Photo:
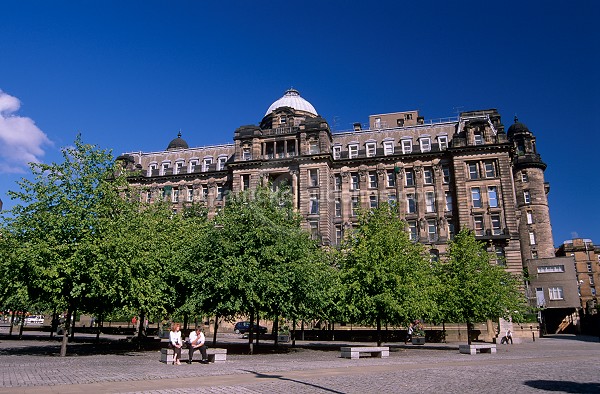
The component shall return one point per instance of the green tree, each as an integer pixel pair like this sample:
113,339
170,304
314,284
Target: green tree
385,276
475,289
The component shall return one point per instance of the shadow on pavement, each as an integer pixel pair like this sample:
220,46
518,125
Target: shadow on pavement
280,377
564,386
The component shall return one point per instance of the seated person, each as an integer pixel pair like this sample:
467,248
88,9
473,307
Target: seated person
197,342
175,342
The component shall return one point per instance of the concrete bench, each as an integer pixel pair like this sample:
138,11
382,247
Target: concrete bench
373,351
215,355
477,348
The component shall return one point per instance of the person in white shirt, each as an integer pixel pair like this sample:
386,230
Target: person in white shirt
197,340
175,342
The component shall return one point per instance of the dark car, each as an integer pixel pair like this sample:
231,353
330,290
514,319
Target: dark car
242,327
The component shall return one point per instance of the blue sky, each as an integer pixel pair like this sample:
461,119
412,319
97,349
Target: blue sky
129,75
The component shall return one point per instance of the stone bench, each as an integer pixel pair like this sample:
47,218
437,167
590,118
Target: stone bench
215,355
477,348
373,351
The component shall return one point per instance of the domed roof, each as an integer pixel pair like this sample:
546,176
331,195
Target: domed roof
517,127
178,143
292,99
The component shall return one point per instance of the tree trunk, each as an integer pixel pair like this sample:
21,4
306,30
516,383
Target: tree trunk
53,322
378,331
12,323
22,325
443,332
257,330
65,338
302,329
98,325
250,334
275,330
185,321
141,330
469,332
293,333
215,330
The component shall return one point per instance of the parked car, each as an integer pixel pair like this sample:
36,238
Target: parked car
242,327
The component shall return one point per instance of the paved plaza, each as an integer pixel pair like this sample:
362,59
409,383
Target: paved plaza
565,364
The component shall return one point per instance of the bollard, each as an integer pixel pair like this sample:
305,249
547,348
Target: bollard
533,335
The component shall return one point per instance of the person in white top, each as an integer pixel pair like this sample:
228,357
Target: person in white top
197,340
175,342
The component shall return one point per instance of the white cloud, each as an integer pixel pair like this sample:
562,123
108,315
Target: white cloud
21,141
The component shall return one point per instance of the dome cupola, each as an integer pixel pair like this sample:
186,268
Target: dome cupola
292,99
178,143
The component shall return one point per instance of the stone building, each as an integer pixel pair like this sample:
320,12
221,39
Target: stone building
443,174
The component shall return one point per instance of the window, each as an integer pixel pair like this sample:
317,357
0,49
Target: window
555,293
339,234
446,174
431,230
148,196
492,196
337,182
450,230
314,204
400,122
544,269
246,154
313,147
406,146
178,167
373,180
478,138
175,195
204,193
411,205
529,215
593,289
476,197
391,200
373,202
391,178
534,254
206,164
410,177
355,184
219,193
221,163
591,279
408,116
338,207
531,238
478,220
473,173
500,255
151,169
524,177
370,148
496,226
527,197
193,164
377,123
355,206
165,168
443,142
353,151
313,177
490,169
425,143
337,152
245,181
190,194
434,255
314,229
429,202
413,231
388,148
589,267
428,176
448,201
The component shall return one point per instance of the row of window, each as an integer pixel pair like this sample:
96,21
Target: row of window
492,197
390,177
177,195
479,226
389,148
482,169
180,165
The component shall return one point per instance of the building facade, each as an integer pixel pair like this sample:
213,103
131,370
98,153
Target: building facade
443,175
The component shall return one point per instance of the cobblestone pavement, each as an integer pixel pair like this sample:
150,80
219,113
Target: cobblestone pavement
558,364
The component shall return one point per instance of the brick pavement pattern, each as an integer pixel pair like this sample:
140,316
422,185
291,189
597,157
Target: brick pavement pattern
565,364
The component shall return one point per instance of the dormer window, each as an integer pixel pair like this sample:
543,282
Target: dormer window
165,167
283,119
313,147
353,151
178,167
406,146
221,163
193,164
337,152
206,163
246,154
425,143
388,148
152,168
443,142
377,123
370,148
